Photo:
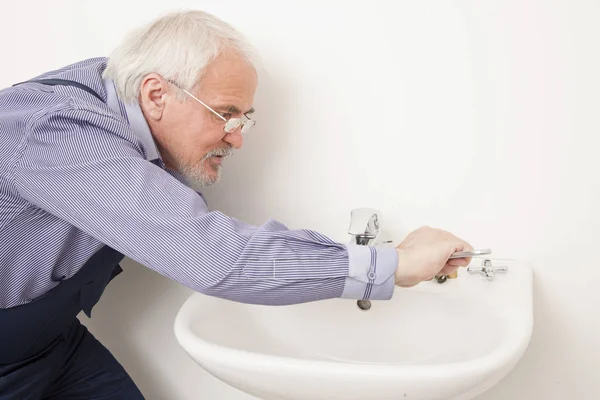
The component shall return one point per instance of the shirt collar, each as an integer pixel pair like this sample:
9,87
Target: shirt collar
135,117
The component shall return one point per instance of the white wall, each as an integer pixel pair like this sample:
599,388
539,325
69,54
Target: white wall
480,117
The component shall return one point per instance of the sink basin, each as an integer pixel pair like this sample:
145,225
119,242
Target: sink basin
450,341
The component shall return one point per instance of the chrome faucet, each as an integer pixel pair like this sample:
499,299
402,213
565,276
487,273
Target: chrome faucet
364,226
487,270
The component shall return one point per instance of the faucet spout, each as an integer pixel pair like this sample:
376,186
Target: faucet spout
364,225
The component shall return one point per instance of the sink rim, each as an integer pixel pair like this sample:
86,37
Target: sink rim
511,347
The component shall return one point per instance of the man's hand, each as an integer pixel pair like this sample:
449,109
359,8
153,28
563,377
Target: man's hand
425,253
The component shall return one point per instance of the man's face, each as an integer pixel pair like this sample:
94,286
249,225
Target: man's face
191,138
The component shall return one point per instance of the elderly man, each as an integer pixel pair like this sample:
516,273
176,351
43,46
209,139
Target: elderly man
95,164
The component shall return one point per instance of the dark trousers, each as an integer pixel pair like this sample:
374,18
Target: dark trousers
47,354
75,367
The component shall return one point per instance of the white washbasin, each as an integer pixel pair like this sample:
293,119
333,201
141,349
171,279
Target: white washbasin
434,341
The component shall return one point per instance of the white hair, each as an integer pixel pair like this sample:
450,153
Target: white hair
178,46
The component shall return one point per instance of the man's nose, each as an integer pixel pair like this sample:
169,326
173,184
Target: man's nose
234,138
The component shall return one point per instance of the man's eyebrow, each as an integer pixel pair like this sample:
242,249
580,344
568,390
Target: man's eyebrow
234,110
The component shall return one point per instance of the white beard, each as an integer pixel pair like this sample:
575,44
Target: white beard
201,174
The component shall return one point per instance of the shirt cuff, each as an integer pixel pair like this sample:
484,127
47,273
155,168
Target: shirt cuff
371,272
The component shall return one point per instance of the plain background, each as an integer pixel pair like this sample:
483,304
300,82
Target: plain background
479,117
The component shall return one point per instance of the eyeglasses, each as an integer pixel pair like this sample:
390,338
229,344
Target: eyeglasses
231,124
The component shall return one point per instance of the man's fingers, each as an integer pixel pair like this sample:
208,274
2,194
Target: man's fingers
461,245
448,270
459,262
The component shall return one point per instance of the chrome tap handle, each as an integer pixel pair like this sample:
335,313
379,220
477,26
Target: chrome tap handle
487,269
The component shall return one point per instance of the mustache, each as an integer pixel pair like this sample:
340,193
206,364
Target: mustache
219,151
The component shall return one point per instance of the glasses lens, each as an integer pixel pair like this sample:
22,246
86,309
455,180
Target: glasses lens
232,124
248,125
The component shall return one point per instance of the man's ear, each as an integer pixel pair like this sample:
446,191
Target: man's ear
153,90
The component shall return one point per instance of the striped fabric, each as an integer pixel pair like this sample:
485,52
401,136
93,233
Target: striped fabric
77,173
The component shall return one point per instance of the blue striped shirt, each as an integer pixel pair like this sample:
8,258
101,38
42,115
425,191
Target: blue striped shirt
77,173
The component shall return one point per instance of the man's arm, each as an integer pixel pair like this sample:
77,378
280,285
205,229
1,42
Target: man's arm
78,165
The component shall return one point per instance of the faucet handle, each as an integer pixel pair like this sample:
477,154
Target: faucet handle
487,269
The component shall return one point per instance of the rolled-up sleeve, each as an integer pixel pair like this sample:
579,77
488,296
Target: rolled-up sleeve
83,166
